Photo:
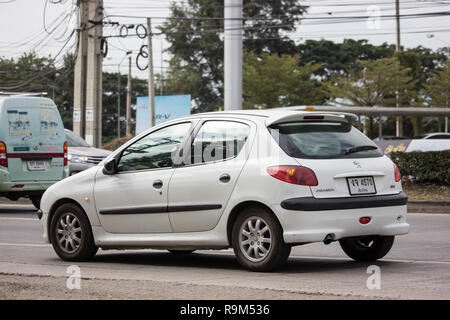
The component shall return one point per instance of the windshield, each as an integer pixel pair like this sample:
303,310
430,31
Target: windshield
75,141
323,140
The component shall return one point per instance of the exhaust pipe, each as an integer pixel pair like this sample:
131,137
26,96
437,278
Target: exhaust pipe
329,238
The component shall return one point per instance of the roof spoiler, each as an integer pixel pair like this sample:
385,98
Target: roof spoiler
301,115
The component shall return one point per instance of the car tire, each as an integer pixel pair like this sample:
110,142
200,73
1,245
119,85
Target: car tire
71,234
368,248
259,246
36,200
181,251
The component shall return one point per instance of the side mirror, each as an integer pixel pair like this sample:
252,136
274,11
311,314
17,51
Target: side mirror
110,167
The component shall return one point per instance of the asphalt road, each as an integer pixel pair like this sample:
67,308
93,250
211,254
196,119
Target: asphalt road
418,267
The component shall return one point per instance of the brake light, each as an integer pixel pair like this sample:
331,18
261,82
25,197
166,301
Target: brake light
397,173
66,161
3,155
294,174
313,117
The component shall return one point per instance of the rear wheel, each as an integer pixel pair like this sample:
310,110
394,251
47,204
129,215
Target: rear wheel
367,248
36,200
71,234
257,240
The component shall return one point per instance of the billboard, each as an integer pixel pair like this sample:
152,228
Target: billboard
166,108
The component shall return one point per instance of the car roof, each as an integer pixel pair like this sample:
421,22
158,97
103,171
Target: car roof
275,115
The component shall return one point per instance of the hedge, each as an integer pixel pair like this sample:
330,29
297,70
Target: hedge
427,167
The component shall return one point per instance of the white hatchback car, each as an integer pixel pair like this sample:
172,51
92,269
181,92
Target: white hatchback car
259,181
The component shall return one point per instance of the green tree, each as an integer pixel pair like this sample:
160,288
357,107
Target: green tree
375,83
338,58
272,81
439,87
109,100
437,90
196,43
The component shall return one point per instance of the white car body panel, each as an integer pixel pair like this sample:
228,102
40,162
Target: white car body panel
109,195
333,175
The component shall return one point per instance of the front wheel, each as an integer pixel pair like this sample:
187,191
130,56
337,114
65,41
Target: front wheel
257,240
71,234
367,248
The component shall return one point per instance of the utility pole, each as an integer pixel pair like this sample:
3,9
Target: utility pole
233,54
128,112
397,20
94,86
88,73
151,85
79,104
398,122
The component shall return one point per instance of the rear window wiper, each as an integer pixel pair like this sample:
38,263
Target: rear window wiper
359,149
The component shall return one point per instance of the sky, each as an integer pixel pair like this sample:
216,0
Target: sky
27,25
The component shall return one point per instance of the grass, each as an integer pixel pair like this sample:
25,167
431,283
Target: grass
418,191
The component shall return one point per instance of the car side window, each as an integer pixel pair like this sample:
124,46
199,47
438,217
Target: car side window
154,150
218,140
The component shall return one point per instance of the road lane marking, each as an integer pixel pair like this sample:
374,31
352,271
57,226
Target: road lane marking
429,214
23,219
348,259
2,205
25,244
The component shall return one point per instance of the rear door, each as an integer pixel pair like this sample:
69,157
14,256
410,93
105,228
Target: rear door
199,190
35,143
345,161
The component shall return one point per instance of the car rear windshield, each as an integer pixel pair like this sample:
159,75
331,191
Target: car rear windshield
323,140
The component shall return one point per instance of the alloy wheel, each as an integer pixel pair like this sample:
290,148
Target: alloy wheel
69,233
255,239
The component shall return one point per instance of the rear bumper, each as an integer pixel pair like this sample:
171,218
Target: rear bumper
320,204
28,186
313,226
7,185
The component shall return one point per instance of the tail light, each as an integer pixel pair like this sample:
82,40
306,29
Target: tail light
294,174
397,173
3,155
65,154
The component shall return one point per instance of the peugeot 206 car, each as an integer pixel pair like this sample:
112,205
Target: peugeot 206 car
258,181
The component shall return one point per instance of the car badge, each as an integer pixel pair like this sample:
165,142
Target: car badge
357,164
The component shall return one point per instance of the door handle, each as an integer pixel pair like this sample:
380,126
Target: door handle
157,184
225,178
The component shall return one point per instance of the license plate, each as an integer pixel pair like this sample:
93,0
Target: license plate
36,165
361,185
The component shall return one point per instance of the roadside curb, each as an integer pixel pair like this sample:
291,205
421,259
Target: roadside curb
426,206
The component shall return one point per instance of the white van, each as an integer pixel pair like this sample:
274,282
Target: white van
33,147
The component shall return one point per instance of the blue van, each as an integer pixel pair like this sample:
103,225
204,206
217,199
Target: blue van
33,147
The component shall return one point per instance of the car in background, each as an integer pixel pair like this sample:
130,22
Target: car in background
33,147
81,155
434,136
